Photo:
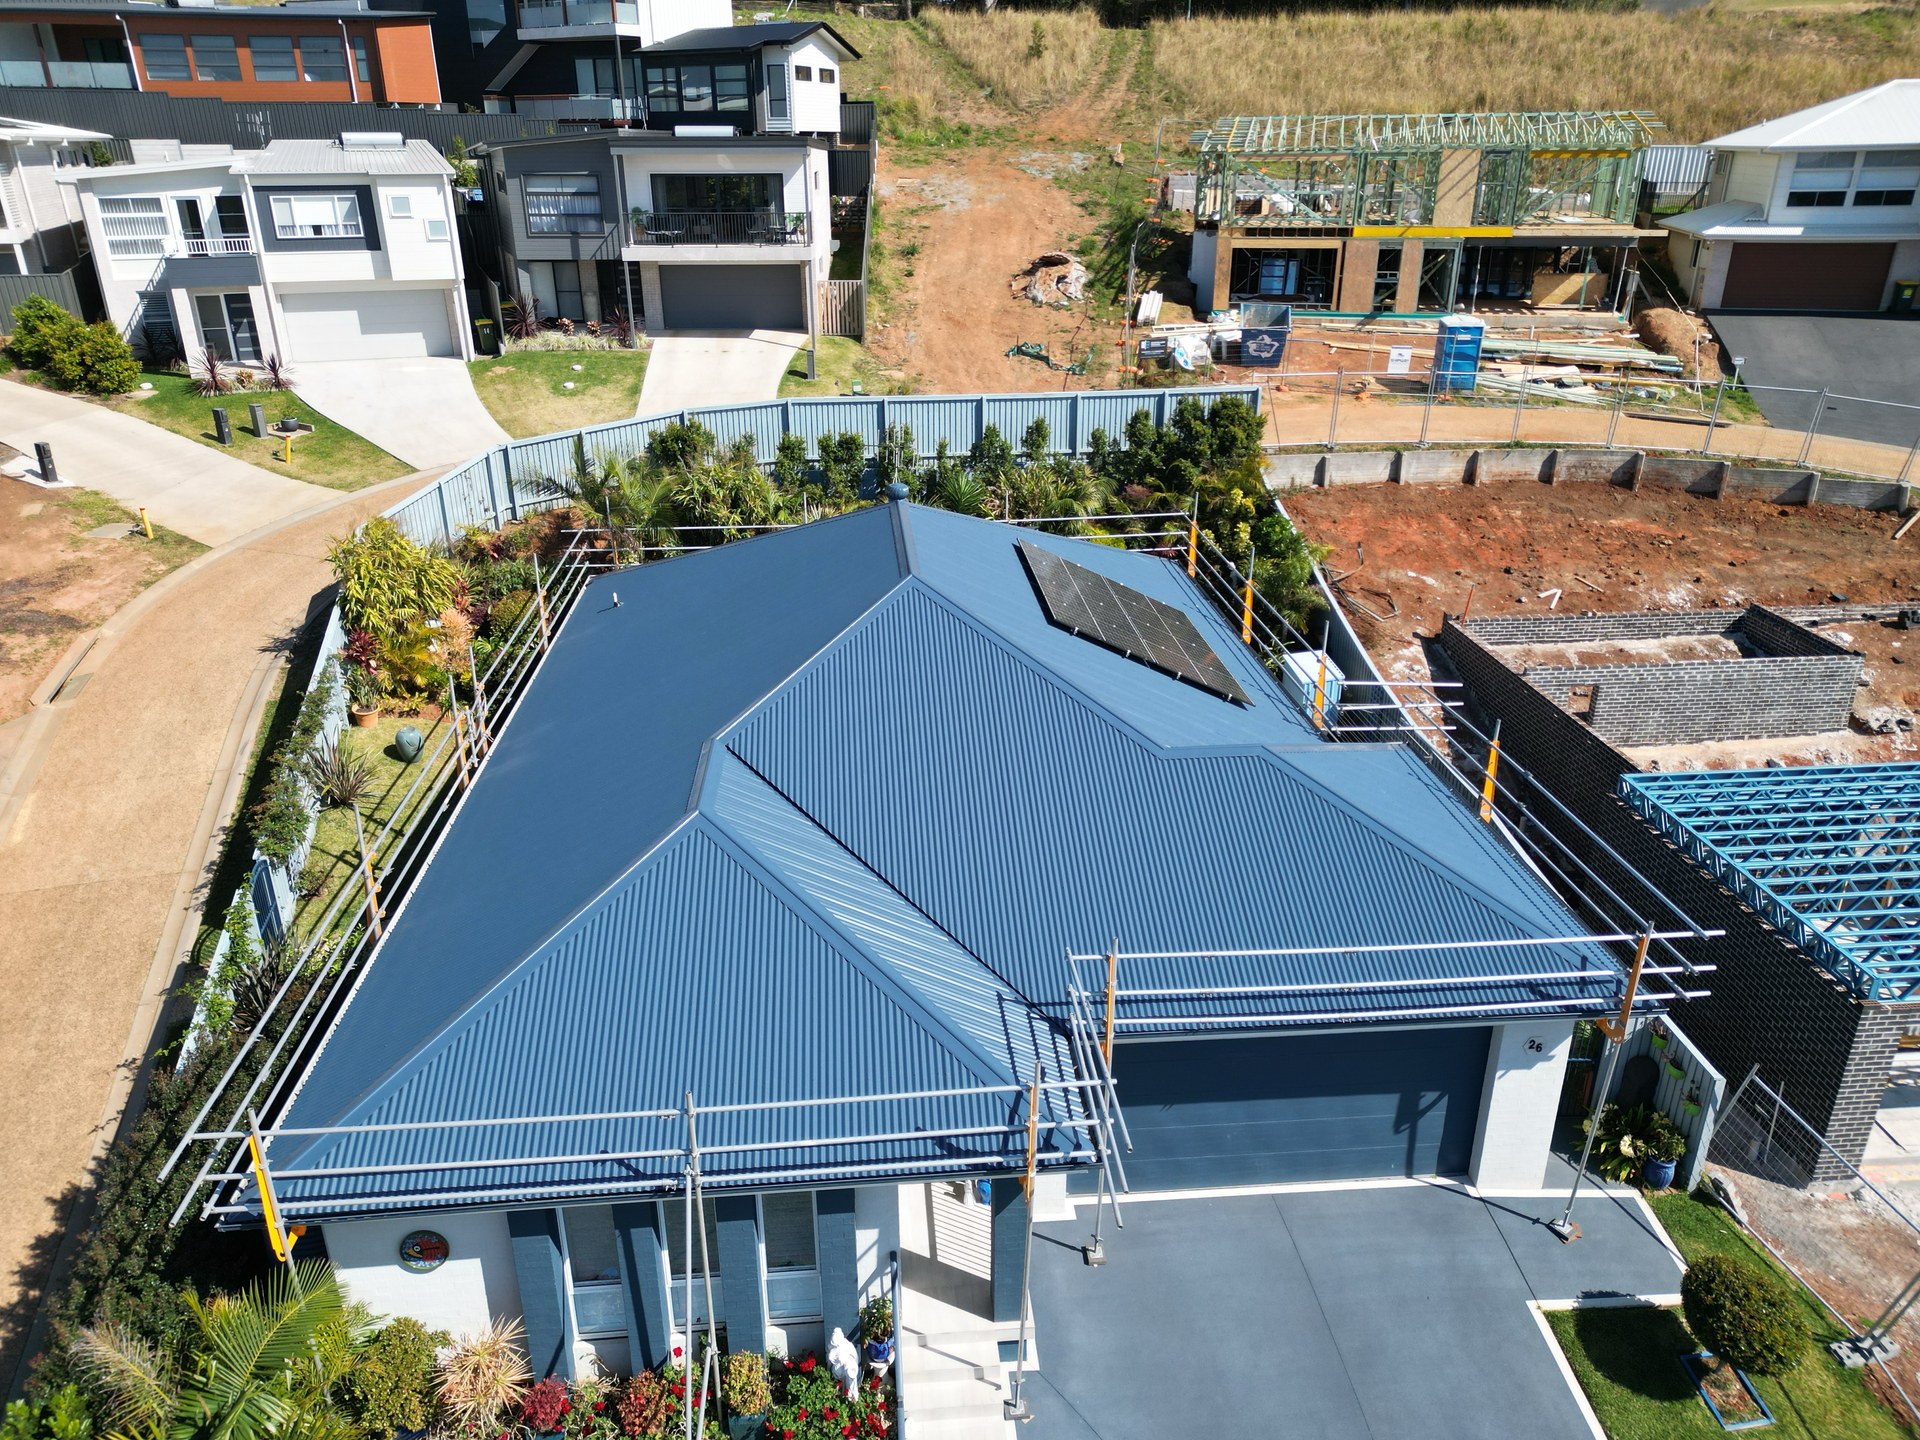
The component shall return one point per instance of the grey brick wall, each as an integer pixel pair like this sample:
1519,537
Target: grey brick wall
1689,701
1771,1004
1627,625
1774,633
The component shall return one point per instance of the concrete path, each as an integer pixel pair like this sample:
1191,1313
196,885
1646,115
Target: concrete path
727,367
1397,1313
115,796
424,411
212,498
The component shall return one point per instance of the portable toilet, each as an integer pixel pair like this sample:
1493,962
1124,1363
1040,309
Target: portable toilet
1456,355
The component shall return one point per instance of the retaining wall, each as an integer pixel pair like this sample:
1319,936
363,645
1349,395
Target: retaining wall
1686,702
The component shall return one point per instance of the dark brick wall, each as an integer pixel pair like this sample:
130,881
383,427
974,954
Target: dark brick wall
1775,634
1771,1004
1689,701
1625,625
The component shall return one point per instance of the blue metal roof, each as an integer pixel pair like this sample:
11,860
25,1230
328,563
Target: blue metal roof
819,816
1829,854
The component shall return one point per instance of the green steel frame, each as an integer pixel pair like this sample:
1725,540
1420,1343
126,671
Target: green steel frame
1345,170
1830,855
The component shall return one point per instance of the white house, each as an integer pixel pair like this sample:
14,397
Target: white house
1814,211
39,230
308,250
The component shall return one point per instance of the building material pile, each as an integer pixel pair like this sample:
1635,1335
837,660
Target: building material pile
1055,278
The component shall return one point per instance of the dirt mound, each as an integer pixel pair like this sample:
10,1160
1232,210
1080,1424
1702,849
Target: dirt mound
1055,278
1673,332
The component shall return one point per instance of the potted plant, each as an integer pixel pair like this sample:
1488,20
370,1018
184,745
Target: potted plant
876,1333
748,1394
1657,1033
1662,1143
1674,1069
363,695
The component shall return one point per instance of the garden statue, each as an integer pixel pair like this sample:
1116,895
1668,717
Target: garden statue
407,742
844,1361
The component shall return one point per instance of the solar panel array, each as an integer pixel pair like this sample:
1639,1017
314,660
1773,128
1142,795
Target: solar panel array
1121,618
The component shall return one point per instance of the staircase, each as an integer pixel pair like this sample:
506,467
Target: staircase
952,1384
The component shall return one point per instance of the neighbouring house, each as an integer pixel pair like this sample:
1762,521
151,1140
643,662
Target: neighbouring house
1420,214
41,232
1662,732
686,66
779,867
679,231
308,250
1818,210
321,51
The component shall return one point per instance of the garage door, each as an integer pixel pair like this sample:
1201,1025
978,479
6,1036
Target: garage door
733,297
393,325
1309,1107
1806,277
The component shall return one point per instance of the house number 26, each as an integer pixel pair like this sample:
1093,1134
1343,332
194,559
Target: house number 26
1535,1046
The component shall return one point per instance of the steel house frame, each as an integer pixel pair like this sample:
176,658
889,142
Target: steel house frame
1828,854
1348,170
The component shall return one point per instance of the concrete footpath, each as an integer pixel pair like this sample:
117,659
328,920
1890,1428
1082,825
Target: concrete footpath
210,497
119,793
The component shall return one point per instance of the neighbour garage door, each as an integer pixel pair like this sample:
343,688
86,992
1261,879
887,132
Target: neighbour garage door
1806,277
394,325
1308,1107
733,297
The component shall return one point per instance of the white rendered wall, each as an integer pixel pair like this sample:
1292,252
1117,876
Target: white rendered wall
410,254
816,102
475,1285
1715,260
876,1236
1526,1063
1752,177
1906,266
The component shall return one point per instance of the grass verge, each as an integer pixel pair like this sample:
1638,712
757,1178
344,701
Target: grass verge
332,455
167,550
525,390
1627,1360
839,363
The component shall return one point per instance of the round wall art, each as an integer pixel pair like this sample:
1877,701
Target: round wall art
424,1250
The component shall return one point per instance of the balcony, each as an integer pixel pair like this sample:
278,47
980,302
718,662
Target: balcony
68,74
564,14
221,245
577,107
719,227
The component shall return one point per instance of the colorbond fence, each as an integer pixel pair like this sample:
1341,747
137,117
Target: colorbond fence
524,477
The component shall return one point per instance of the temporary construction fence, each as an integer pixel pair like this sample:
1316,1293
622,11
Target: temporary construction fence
1846,1240
523,477
1375,408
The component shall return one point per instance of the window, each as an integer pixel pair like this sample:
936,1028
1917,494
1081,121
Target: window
593,1262
227,328
776,92
436,229
102,50
595,75
803,72
676,1225
273,58
316,217
1815,199
563,205
556,285
826,76
165,57
188,210
1883,197
1820,179
1888,177
696,87
698,193
360,66
135,225
789,1230
323,59
730,87
231,210
663,87
400,206
216,57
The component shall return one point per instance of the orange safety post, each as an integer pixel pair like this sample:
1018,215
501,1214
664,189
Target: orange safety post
1493,769
1113,976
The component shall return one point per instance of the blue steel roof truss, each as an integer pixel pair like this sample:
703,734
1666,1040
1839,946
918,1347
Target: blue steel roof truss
1829,854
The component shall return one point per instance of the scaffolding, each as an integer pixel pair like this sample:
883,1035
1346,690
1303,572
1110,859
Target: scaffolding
1830,855
1305,172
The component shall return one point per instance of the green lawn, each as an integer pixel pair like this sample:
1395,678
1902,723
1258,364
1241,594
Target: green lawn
332,455
525,389
167,549
839,364
1627,1360
335,855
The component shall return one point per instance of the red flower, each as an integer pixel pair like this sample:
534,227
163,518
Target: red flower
807,1364
789,1364
676,1352
846,1429
786,1435
831,1413
598,1406
803,1414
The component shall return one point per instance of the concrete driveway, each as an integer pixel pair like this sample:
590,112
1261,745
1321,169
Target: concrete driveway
424,411
201,493
723,367
1872,358
1345,1314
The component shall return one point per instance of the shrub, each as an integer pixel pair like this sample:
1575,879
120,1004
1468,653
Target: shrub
40,329
1744,1315
482,1374
280,819
645,1406
744,1385
211,377
391,1387
1627,1139
339,774
545,1405
63,1417
93,358
388,583
507,614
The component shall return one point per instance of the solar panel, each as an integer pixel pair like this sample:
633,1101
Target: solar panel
1119,617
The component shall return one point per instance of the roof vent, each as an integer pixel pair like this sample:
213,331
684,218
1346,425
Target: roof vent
372,140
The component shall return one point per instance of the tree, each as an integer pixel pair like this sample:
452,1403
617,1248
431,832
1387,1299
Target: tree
844,459
388,583
41,329
1744,1315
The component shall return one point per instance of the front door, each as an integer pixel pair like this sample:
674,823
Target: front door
227,327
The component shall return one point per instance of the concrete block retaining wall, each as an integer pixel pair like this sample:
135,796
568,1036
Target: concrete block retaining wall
1690,701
